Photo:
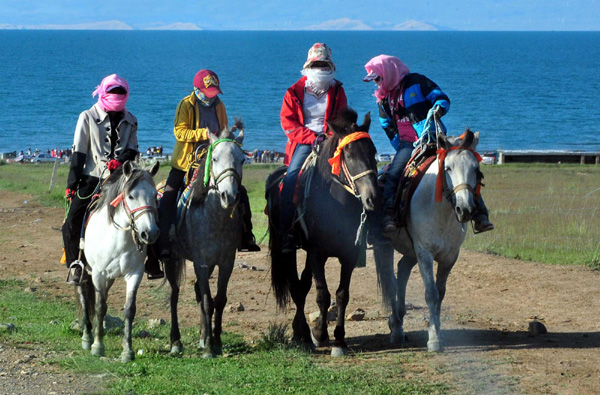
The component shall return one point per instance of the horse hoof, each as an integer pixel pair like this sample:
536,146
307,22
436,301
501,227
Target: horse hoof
176,348
127,356
434,346
98,350
86,345
208,355
397,338
339,351
318,343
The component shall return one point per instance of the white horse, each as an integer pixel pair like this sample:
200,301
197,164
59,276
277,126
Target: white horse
116,239
435,230
208,234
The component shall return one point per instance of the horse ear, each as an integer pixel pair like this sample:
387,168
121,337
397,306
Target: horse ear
443,141
128,168
334,129
475,140
467,140
366,122
154,169
212,138
240,137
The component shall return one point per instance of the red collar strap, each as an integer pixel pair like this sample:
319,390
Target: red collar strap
439,182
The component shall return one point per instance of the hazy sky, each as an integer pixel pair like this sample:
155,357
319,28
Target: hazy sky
289,14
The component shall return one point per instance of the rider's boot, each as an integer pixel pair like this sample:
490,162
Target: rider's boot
248,240
152,265
76,276
481,219
389,222
288,244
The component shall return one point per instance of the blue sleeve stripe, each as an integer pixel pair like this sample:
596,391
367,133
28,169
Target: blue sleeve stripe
435,95
385,122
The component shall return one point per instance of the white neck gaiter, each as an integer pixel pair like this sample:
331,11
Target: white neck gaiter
318,80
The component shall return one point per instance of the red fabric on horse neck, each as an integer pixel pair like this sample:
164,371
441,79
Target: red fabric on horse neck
439,182
336,160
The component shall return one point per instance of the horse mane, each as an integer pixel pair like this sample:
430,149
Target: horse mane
113,186
198,191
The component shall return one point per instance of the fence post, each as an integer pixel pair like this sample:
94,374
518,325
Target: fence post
53,179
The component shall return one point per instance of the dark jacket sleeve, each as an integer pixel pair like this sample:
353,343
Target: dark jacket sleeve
128,154
76,170
386,119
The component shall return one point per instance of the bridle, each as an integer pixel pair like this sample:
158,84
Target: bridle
132,214
210,176
338,163
350,186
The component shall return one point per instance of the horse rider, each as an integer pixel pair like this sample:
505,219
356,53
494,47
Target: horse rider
105,137
197,115
308,104
404,101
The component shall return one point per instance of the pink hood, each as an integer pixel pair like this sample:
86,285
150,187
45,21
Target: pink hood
390,69
111,101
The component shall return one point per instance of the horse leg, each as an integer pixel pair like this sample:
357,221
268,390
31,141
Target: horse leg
299,288
133,283
172,274
432,297
220,302
316,260
342,295
443,272
86,300
384,262
207,307
405,266
102,286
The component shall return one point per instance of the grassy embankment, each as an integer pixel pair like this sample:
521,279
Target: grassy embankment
546,213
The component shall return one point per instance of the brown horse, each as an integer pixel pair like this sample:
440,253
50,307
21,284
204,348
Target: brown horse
336,202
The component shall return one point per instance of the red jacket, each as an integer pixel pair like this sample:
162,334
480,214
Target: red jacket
292,118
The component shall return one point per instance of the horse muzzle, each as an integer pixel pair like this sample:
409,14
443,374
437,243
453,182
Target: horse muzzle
228,200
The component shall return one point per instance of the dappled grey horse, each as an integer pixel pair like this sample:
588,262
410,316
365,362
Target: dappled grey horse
208,234
436,225
123,223
342,190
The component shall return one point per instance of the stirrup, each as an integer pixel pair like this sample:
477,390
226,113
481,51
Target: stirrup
73,266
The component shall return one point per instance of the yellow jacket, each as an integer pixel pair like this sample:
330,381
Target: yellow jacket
187,132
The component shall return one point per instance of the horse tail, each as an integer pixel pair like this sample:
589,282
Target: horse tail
280,262
386,280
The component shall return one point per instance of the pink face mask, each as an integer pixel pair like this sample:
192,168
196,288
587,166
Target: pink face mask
112,101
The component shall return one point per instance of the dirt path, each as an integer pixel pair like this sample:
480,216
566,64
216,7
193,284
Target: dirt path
486,313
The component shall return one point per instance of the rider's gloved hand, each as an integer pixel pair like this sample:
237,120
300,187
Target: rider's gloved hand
69,193
113,164
320,137
438,111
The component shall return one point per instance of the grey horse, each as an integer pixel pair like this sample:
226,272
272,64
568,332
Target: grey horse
440,210
208,234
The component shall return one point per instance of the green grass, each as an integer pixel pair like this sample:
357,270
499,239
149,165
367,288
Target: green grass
242,369
546,213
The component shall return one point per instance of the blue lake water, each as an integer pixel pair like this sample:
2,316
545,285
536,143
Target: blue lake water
521,90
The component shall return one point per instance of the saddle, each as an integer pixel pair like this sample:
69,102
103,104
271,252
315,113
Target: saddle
195,169
416,168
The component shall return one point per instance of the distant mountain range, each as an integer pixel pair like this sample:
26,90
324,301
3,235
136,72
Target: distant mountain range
335,24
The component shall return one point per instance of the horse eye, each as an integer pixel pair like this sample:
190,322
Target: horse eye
447,169
130,196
